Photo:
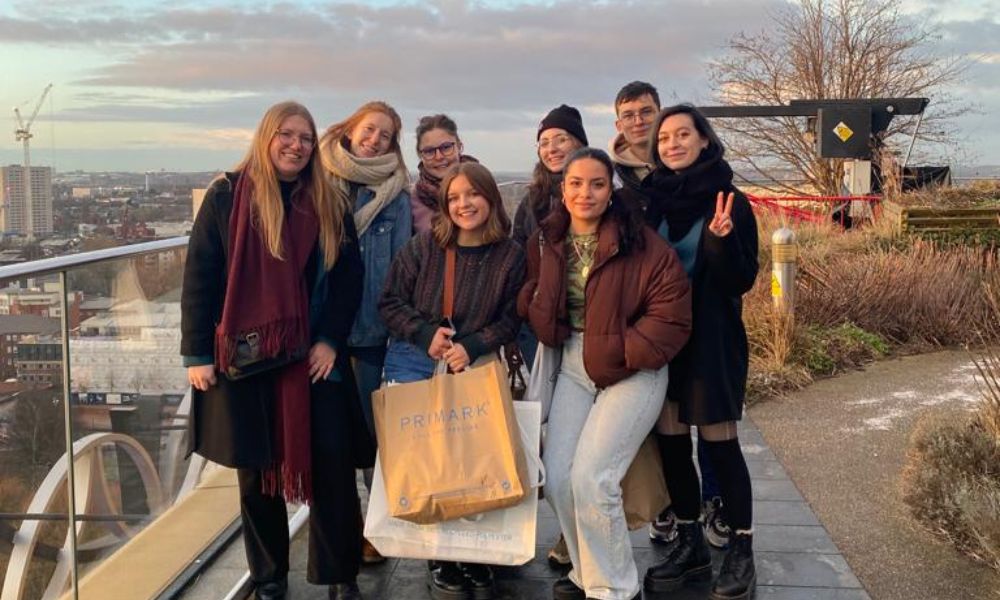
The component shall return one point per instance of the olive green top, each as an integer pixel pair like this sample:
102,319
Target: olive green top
579,261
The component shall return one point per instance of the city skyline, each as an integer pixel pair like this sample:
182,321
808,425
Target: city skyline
180,86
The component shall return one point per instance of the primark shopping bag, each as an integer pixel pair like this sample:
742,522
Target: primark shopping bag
499,537
449,446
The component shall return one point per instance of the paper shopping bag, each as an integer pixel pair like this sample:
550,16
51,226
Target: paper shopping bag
644,491
449,446
499,537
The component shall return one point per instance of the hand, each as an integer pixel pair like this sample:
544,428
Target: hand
722,222
321,359
440,343
202,376
457,358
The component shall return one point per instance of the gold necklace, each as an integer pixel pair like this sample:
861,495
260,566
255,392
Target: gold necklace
588,249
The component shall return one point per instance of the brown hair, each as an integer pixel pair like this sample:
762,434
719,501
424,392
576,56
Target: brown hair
342,130
481,180
432,122
544,186
268,209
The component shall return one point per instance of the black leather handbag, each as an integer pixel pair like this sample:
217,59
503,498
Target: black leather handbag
248,361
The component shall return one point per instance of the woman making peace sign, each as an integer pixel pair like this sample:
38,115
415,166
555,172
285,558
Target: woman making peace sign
710,225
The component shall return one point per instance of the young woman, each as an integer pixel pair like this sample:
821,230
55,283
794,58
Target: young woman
273,257
613,296
489,269
440,151
362,157
710,224
559,134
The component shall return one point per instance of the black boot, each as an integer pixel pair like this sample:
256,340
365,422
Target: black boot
738,577
565,589
479,579
447,582
688,560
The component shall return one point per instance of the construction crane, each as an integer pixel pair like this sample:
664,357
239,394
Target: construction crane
23,134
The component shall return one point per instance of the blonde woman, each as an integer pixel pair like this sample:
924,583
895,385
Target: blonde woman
273,260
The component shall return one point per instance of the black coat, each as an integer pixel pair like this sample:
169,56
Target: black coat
231,423
708,377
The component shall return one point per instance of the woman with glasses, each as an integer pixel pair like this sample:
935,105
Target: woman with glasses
273,263
559,134
611,294
440,151
362,158
710,224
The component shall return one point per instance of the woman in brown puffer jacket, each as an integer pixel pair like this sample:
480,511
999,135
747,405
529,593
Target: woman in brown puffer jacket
612,294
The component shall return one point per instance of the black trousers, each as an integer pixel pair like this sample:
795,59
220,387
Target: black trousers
334,526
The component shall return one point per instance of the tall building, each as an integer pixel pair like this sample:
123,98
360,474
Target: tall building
13,207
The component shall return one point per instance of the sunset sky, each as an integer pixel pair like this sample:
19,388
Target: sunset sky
179,85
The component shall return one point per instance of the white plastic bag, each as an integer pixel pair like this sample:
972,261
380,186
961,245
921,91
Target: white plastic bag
542,379
499,537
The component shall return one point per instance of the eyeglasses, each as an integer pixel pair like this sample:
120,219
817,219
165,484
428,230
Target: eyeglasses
446,149
288,138
554,141
643,115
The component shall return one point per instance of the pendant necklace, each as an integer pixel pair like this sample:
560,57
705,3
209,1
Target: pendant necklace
585,261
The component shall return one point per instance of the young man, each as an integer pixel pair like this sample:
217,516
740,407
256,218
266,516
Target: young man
636,107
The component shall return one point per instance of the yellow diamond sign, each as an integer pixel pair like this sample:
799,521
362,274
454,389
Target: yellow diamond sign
843,131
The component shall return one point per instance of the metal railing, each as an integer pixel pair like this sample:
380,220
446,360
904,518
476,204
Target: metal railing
104,477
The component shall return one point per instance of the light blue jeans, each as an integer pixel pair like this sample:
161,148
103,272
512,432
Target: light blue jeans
593,435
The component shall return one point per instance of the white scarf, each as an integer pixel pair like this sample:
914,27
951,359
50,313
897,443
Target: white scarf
383,174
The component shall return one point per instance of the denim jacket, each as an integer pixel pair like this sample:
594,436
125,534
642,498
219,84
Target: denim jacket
386,236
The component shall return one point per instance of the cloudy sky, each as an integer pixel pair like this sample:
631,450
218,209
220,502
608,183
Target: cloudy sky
179,85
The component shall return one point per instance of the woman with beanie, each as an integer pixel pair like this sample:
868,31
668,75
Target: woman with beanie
440,151
362,158
559,134
711,226
273,263
612,295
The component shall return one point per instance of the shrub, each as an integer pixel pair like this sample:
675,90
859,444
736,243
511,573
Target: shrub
951,483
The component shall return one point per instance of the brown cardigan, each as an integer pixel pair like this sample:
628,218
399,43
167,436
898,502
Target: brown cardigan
638,306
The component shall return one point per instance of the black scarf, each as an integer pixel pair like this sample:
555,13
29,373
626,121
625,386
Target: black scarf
683,198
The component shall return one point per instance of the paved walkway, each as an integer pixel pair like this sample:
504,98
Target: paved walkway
796,559
844,443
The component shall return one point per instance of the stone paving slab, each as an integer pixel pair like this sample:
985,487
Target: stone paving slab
795,557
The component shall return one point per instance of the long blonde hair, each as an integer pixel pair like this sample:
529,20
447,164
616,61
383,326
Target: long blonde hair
269,210
342,130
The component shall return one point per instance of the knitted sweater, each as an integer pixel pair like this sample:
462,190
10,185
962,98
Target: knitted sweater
487,280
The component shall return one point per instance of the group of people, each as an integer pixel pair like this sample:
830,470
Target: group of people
315,273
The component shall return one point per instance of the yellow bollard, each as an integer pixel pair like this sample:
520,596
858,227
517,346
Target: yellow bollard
784,252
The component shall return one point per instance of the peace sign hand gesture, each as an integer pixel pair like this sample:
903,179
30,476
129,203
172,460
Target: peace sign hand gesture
722,222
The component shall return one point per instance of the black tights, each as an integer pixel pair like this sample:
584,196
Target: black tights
682,479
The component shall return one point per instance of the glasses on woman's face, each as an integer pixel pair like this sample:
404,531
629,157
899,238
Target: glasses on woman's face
446,149
556,141
288,138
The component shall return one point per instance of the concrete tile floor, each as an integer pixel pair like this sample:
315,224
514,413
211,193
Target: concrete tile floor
795,557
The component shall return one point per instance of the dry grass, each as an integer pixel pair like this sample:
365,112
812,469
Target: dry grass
862,294
979,193
951,483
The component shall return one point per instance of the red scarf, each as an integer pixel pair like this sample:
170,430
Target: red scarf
268,296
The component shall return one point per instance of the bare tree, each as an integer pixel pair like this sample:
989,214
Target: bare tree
831,49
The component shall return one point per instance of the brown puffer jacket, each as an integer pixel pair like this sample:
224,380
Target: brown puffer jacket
638,306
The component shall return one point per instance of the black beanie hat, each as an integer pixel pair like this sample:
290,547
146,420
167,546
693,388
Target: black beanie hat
564,117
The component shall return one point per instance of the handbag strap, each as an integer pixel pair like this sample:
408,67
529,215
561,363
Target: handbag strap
448,305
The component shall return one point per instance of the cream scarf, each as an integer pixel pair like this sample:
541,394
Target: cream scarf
382,174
